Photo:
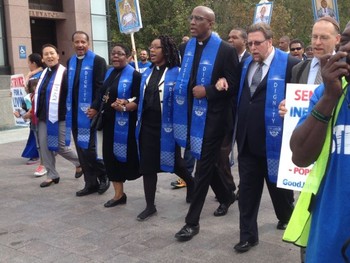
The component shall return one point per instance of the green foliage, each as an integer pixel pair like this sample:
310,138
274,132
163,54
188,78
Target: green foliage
169,17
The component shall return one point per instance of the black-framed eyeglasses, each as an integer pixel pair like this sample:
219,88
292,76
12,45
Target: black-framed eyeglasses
197,18
153,47
118,54
255,43
295,48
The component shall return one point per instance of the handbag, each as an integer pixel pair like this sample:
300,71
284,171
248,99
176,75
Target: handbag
97,120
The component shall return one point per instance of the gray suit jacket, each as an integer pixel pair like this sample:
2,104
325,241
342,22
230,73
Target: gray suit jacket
304,75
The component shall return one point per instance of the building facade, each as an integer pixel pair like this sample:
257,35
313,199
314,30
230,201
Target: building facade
25,25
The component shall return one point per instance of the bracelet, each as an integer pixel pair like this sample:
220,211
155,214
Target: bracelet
320,117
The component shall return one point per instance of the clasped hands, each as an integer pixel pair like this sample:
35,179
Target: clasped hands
119,104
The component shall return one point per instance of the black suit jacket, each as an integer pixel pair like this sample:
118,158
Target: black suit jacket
251,115
219,102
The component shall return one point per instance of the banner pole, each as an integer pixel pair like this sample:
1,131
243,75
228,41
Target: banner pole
134,48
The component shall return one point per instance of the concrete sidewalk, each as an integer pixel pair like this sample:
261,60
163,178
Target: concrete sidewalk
53,225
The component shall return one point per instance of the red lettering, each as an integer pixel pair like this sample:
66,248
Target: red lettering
301,171
303,95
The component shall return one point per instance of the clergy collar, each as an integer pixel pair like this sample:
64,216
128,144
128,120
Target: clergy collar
160,67
53,68
204,42
81,57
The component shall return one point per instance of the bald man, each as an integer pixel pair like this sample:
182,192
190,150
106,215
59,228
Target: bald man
202,110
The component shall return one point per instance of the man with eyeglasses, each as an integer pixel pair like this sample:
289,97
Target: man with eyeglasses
296,48
259,132
324,39
86,72
201,110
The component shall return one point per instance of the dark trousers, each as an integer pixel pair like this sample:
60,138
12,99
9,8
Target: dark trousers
252,173
92,167
224,165
207,175
150,179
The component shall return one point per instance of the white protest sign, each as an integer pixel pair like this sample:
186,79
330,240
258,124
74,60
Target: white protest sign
291,176
17,98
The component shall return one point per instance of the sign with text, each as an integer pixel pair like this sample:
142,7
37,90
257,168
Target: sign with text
291,176
17,98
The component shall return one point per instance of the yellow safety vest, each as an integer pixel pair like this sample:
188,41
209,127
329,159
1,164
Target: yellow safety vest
298,228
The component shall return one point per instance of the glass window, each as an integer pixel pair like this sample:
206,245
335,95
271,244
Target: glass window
99,28
50,5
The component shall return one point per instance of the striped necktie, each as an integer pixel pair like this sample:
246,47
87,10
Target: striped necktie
256,79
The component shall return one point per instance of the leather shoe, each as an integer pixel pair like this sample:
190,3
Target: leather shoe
244,246
87,191
281,225
221,210
49,182
187,232
103,187
113,202
78,174
147,213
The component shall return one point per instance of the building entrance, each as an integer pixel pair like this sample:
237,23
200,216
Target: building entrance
43,31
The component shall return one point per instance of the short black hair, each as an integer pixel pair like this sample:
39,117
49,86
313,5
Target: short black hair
36,58
80,32
124,47
295,41
49,45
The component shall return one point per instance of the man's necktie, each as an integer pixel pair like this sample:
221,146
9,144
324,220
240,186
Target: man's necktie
256,79
318,79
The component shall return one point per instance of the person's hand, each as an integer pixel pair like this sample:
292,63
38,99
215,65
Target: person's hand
221,84
16,113
27,116
282,110
122,102
117,106
199,92
332,69
90,113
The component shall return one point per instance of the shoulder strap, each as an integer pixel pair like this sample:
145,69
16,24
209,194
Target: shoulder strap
301,69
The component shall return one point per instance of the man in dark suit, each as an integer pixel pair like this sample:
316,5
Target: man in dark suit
238,39
86,72
259,132
201,110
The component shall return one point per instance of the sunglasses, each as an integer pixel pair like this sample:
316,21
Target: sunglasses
295,48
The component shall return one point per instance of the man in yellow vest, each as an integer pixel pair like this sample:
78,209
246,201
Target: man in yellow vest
321,219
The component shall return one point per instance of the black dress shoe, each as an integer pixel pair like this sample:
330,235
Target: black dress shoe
113,202
87,191
78,174
48,183
244,246
104,185
147,213
221,210
281,225
187,232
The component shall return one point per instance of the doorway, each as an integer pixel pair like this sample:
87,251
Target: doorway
43,31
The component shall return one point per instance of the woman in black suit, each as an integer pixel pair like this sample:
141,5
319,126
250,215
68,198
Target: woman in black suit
158,152
120,94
